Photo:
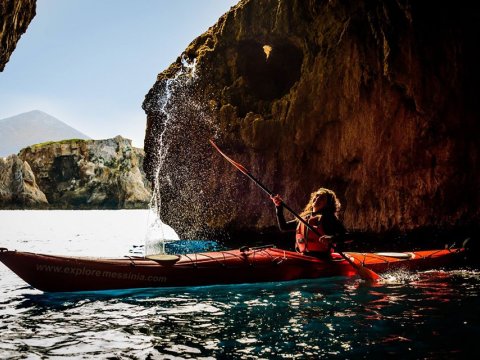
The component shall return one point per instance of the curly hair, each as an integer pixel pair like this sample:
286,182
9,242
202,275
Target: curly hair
333,205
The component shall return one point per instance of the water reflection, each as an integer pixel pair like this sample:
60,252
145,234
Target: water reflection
327,318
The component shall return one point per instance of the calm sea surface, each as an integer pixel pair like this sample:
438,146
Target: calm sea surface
427,315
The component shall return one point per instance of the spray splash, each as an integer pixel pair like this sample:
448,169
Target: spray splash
158,233
399,276
183,127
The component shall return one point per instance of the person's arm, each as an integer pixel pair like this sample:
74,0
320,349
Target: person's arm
340,235
341,230
282,223
334,228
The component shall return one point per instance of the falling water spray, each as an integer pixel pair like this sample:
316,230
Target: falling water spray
176,101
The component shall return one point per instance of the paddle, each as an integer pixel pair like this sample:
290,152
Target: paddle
364,273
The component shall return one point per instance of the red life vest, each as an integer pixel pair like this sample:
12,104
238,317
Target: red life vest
307,240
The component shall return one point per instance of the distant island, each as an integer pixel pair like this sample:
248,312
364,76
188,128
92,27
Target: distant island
74,172
33,127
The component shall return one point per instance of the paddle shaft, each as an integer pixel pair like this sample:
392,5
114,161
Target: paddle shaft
361,270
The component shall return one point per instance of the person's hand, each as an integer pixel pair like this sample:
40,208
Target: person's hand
277,200
327,238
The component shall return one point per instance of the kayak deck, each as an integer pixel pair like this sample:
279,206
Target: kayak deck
264,264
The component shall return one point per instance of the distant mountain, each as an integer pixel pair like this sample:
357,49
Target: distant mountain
33,127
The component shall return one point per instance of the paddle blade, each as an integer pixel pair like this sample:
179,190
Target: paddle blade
234,163
367,274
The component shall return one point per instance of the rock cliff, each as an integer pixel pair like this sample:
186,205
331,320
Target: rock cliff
89,174
15,16
374,99
18,188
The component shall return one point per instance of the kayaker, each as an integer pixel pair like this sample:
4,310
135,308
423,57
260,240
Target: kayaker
321,212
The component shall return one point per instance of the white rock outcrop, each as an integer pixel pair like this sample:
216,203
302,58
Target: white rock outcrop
18,187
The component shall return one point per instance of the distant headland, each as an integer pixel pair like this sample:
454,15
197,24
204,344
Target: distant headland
75,174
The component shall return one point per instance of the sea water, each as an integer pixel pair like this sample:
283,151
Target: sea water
421,315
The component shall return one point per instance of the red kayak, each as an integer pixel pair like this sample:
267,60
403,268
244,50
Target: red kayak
263,264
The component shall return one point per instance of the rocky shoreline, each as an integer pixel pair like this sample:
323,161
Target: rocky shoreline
75,174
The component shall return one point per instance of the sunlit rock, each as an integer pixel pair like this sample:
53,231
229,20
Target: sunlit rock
18,188
90,173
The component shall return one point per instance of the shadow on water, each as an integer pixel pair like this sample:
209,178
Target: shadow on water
63,299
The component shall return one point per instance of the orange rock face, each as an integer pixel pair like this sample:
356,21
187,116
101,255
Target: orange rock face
375,100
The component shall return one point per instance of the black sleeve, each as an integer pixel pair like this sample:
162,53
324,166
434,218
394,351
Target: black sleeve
333,227
341,230
282,223
340,233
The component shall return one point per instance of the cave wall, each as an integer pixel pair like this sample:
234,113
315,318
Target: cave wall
374,99
15,16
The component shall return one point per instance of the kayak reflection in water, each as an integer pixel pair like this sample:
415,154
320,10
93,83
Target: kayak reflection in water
321,213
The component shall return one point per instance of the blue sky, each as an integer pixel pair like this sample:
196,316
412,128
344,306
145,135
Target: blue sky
90,63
